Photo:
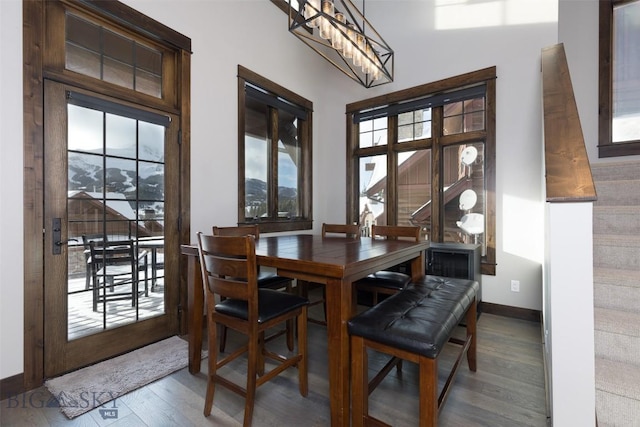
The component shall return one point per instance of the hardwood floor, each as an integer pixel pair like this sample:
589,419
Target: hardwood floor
507,390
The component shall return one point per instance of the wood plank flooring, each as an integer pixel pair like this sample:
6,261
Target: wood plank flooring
507,390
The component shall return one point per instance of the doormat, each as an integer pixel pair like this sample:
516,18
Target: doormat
85,389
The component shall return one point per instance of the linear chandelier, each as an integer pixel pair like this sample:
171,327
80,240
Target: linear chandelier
340,33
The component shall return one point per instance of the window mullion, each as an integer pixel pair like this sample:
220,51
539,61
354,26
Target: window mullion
272,187
437,200
392,170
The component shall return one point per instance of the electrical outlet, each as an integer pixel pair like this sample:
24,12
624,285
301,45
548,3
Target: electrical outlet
515,286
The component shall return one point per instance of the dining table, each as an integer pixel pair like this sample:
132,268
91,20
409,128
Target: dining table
335,262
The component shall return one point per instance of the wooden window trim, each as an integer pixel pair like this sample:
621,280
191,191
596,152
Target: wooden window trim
486,76
305,222
606,147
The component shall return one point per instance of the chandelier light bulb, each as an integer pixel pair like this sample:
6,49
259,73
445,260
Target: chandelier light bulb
357,50
347,48
367,64
326,28
375,75
337,39
312,8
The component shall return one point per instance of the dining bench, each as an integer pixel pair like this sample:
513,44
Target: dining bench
414,325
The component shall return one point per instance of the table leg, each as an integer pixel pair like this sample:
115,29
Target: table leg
418,267
195,303
339,311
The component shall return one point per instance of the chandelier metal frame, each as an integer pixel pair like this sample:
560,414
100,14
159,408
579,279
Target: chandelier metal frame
339,32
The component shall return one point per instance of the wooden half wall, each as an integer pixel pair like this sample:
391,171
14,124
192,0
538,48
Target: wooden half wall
567,315
567,169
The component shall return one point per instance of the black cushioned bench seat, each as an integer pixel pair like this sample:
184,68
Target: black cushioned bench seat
414,324
420,318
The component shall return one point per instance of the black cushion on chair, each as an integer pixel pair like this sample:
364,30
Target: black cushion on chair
420,318
385,279
267,279
271,304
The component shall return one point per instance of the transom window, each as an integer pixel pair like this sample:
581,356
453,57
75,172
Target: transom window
274,155
97,52
427,157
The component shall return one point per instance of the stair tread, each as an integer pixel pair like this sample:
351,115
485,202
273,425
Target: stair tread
622,379
604,273
617,321
617,240
626,209
614,171
618,276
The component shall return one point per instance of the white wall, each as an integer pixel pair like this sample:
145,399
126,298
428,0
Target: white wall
432,40
569,290
11,260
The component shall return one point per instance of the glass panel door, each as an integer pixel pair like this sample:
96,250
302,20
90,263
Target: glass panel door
115,198
109,169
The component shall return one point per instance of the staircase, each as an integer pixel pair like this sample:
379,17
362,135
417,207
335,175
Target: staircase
616,276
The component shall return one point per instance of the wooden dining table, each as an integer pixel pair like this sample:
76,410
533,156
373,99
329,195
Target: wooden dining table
335,262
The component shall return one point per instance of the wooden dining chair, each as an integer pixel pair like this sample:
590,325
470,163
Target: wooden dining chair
99,238
350,231
266,280
346,230
230,272
113,265
388,282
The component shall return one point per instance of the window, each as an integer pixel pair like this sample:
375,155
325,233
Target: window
619,121
103,54
274,155
426,156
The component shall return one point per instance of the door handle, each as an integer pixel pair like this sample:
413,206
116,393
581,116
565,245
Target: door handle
66,242
56,226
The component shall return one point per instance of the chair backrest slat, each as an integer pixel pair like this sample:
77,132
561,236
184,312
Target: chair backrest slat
241,230
396,232
120,252
229,267
350,230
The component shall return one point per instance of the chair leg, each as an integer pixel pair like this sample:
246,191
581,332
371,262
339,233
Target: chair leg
146,280
154,273
96,294
260,356
290,334
253,365
324,301
290,324
223,335
472,316
428,392
359,382
134,292
223,338
303,376
213,364
303,289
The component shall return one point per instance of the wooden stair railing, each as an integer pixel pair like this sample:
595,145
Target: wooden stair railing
568,173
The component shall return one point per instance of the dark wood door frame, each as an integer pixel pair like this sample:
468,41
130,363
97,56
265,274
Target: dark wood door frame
34,33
